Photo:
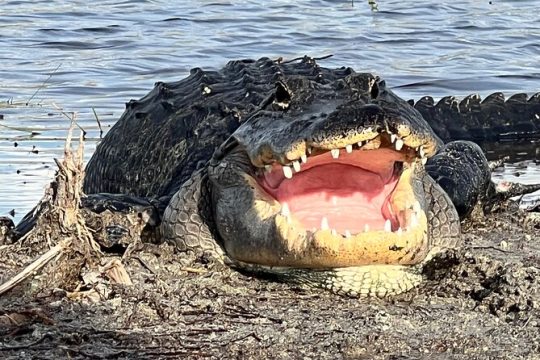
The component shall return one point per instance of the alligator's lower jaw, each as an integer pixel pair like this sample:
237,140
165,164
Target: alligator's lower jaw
328,249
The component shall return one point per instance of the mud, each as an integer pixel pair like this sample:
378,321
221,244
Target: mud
143,300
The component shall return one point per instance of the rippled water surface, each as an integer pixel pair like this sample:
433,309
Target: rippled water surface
81,56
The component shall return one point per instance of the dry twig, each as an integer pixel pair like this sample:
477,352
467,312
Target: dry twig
35,266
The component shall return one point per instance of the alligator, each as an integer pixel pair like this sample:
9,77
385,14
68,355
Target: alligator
322,177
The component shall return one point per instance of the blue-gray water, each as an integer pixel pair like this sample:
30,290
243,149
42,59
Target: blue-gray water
99,54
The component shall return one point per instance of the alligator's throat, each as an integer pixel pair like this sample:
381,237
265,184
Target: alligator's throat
350,194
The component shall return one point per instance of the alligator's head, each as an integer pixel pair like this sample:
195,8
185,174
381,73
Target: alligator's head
318,179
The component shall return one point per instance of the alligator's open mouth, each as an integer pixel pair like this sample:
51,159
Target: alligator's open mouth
358,203
346,192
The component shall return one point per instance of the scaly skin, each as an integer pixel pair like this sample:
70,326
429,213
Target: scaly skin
198,148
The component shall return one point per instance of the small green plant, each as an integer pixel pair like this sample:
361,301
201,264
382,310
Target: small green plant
372,4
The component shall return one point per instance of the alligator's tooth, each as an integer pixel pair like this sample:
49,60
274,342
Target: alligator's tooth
347,234
348,148
424,160
388,226
393,138
421,151
416,207
334,232
285,211
268,168
366,228
334,200
414,221
399,144
360,144
399,231
335,153
287,171
324,223
303,158
296,165
309,150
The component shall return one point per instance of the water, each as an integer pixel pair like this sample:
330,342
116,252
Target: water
81,55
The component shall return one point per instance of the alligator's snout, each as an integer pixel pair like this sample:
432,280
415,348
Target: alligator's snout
330,124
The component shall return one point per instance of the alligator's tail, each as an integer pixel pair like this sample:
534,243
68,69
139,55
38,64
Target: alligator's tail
493,119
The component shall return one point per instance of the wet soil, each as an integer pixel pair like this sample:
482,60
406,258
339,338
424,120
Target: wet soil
144,300
481,302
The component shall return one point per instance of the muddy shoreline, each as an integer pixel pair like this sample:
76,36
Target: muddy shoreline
480,302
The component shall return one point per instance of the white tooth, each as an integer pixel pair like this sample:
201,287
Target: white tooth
334,232
335,153
285,211
421,151
414,221
360,144
416,207
424,160
393,138
388,226
347,234
348,148
399,144
366,228
296,165
324,223
268,168
287,171
303,158
309,150
399,231
334,200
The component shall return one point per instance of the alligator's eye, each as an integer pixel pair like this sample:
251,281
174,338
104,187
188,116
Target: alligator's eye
374,91
225,148
282,95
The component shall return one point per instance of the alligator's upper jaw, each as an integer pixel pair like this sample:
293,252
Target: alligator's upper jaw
361,204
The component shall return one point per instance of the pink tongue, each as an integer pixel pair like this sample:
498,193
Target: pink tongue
348,196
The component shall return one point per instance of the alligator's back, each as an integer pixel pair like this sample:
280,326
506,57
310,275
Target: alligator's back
162,138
